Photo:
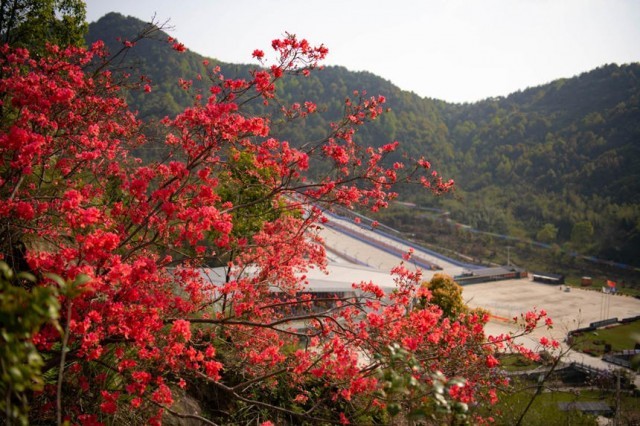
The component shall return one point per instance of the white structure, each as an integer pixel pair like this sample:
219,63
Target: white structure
339,278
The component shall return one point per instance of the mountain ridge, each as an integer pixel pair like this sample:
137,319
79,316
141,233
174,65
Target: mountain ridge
561,153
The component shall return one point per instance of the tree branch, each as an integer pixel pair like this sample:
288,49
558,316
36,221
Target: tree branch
304,416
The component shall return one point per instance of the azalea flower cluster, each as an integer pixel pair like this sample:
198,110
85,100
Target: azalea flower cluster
150,326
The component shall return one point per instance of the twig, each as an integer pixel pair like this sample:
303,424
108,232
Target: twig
185,416
65,341
231,391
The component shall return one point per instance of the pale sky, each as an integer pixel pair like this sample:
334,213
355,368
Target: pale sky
454,50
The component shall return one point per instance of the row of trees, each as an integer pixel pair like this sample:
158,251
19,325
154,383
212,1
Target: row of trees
117,321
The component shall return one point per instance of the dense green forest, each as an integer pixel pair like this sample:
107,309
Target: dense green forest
557,164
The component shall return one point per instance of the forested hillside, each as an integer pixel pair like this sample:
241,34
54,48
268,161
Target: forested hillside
565,153
559,163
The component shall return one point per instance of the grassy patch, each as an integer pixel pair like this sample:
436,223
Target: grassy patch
517,362
620,337
545,410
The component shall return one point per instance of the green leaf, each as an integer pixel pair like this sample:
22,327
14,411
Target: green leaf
26,276
57,279
81,280
15,374
393,409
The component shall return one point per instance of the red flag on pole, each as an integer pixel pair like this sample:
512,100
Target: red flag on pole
611,284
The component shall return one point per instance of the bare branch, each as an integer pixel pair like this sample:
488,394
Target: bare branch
303,416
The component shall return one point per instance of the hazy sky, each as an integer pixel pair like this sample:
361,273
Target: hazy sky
455,50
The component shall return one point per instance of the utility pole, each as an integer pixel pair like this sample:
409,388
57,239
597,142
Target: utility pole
508,255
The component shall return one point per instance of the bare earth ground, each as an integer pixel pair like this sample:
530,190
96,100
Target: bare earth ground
569,310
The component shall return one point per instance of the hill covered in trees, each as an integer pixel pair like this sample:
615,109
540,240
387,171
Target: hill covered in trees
564,155
558,163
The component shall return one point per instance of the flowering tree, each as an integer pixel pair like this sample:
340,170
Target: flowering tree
142,326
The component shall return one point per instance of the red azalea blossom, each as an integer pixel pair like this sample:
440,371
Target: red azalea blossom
154,316
179,47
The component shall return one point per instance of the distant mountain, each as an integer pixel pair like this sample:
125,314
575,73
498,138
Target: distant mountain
563,154
581,131
411,119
